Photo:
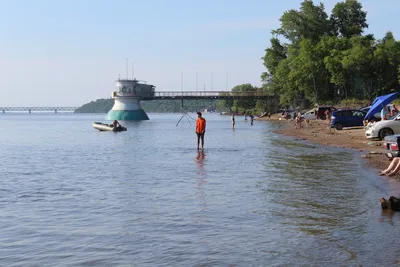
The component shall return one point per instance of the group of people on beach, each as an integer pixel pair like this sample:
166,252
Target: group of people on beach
387,112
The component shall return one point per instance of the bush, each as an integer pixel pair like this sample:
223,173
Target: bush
353,103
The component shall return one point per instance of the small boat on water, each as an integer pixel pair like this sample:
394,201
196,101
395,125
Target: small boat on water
107,127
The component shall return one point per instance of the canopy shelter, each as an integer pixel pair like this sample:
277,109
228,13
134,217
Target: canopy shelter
379,103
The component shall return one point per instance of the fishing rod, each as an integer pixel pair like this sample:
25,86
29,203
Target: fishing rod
184,114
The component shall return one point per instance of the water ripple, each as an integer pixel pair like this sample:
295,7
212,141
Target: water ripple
147,197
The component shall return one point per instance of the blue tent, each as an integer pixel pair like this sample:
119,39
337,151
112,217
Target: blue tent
379,103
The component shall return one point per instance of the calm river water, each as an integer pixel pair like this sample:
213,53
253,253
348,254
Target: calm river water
73,196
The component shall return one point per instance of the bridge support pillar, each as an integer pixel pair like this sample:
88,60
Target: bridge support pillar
127,109
55,111
4,111
29,111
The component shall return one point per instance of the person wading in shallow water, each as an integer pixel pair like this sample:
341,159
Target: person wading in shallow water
251,119
200,130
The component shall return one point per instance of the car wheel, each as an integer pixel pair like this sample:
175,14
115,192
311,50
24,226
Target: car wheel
289,117
338,126
385,132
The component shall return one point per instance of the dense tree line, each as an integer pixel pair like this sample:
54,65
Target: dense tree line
246,105
323,58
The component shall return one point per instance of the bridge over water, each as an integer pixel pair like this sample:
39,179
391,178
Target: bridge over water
171,95
209,95
41,109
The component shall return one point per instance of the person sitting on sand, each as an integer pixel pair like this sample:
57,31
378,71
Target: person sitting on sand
394,168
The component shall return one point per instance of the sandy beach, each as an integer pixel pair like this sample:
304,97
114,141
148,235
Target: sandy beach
353,138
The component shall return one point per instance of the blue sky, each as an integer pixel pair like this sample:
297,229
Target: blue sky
69,52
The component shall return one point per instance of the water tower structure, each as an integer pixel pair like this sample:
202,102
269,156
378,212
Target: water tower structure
127,99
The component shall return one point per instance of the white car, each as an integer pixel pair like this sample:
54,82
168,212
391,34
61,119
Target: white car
310,115
384,128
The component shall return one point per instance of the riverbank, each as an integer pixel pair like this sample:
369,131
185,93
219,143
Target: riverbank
353,138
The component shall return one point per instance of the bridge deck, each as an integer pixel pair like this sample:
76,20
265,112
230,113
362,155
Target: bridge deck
29,109
209,95
170,95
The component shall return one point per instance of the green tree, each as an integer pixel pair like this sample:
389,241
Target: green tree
244,104
273,55
348,18
309,72
284,83
329,59
359,63
386,63
310,22
333,63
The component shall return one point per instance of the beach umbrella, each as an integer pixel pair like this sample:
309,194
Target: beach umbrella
379,103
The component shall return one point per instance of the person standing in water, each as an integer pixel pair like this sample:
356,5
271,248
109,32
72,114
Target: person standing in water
200,130
251,119
233,120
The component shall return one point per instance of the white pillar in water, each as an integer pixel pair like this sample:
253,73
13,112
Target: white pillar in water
127,100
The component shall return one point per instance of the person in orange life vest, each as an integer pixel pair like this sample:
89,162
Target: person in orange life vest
200,130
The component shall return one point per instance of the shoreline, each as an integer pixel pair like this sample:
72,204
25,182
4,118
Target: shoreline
350,138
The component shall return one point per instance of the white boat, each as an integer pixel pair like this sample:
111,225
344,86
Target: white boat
107,127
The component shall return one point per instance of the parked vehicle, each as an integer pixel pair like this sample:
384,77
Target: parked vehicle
383,128
347,118
391,145
309,115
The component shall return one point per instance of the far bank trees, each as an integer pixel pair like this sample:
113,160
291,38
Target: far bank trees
323,58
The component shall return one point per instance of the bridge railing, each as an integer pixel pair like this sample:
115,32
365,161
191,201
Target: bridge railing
31,109
210,94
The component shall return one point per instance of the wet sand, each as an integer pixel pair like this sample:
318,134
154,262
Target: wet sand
353,138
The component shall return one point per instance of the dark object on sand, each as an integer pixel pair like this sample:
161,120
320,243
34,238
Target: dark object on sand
107,127
393,203
391,144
